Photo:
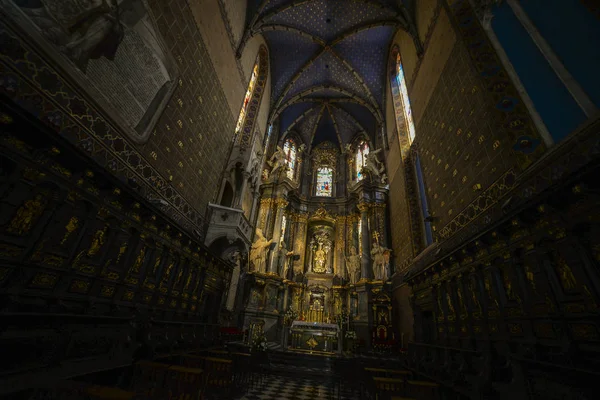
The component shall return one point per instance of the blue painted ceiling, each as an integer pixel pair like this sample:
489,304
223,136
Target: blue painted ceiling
328,62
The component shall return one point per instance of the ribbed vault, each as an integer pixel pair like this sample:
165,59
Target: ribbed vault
328,62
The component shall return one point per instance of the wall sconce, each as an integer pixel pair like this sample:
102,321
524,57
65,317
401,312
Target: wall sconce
477,187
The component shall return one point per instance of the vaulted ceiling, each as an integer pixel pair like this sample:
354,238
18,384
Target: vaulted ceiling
328,62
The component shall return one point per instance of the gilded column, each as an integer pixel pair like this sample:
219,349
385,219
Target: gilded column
281,205
366,270
263,213
300,241
340,226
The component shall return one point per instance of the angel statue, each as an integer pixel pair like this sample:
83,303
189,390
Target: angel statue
374,166
277,161
258,252
381,260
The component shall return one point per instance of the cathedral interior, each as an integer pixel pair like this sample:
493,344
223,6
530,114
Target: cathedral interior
299,199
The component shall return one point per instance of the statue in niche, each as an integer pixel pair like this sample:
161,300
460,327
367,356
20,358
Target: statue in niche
258,252
381,260
321,247
353,266
375,167
277,161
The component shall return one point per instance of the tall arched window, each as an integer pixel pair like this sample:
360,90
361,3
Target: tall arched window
401,82
361,158
404,119
324,182
247,99
290,151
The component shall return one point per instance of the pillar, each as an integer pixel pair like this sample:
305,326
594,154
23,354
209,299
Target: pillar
339,261
300,241
366,270
281,205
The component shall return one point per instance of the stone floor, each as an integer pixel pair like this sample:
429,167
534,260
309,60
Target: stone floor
295,388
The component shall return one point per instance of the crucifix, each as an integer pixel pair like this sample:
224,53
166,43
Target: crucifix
376,237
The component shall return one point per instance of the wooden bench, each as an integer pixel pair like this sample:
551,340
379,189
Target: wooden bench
425,390
386,387
185,382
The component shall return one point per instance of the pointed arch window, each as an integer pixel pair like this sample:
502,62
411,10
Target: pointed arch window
247,98
291,151
324,182
403,89
361,158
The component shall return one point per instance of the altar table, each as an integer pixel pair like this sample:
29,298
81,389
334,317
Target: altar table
315,337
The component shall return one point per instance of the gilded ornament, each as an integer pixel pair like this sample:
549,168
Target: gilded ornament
44,280
79,286
70,228
9,251
128,295
567,279
97,242
139,261
450,306
166,275
26,216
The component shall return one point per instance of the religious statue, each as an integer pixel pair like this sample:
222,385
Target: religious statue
179,276
353,266
156,264
70,228
97,242
283,262
167,274
321,246
277,161
92,30
473,289
258,252
375,166
26,216
139,261
510,294
565,274
381,260
188,281
450,305
461,302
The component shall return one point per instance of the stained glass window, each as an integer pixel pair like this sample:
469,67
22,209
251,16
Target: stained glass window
405,100
247,98
289,149
361,158
324,182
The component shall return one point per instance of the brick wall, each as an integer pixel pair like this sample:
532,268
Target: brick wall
459,139
191,140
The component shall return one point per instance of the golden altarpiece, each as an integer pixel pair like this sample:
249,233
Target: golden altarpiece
320,260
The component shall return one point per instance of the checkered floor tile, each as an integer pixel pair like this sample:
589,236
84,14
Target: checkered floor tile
284,388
